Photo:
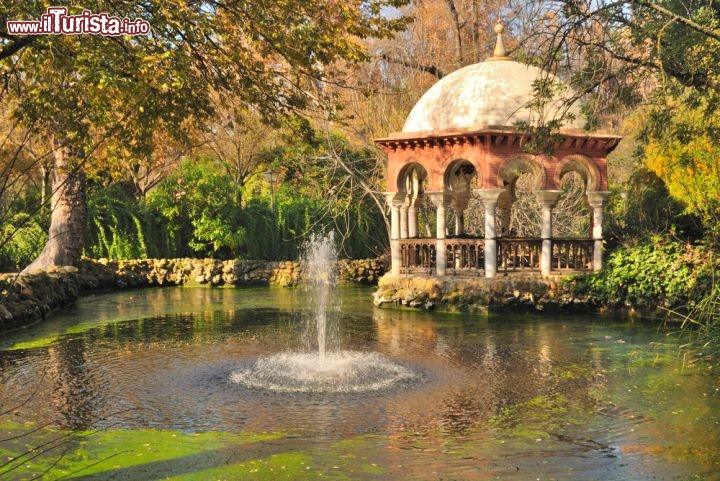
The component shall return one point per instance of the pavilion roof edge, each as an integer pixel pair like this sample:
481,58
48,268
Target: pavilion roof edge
489,129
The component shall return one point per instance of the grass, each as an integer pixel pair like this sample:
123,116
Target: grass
701,326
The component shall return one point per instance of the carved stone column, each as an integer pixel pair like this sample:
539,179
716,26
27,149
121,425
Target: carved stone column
404,220
504,204
459,204
547,199
597,201
442,202
413,187
490,199
395,200
412,220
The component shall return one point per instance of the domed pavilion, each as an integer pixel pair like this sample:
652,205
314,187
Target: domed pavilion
463,137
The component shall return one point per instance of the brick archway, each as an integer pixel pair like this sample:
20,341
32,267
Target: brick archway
593,179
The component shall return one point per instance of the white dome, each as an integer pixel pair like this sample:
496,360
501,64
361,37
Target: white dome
491,93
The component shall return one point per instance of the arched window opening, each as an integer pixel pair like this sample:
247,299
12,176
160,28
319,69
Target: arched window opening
460,178
525,218
571,215
475,217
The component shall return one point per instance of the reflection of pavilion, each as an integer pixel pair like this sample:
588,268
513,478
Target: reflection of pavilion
459,139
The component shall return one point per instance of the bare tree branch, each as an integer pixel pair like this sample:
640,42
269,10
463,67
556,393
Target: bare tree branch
714,34
16,45
431,69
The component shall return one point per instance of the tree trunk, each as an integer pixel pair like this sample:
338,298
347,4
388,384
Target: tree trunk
66,237
458,32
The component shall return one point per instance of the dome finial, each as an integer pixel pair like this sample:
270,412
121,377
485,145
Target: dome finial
499,51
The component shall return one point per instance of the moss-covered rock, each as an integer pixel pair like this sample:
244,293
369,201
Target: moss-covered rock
477,295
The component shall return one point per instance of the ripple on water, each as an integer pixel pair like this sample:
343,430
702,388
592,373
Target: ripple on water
336,372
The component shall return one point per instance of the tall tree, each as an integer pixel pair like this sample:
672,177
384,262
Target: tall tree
87,90
236,136
684,151
658,57
622,53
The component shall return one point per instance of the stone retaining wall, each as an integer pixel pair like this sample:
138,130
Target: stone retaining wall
478,295
32,296
29,297
234,272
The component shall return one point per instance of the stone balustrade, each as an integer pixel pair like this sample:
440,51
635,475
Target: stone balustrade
467,255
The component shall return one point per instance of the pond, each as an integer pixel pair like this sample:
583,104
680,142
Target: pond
140,385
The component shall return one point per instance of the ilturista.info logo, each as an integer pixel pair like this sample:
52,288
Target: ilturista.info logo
56,21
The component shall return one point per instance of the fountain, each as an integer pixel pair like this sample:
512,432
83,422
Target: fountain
320,271
322,367
222,383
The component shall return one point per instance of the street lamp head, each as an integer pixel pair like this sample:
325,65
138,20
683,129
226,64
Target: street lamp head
271,176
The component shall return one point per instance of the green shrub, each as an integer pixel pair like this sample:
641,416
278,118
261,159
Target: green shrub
21,240
116,225
655,273
198,210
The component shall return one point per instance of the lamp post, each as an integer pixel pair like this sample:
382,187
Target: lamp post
272,177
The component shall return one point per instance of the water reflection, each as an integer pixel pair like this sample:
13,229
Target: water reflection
492,372
579,392
78,394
